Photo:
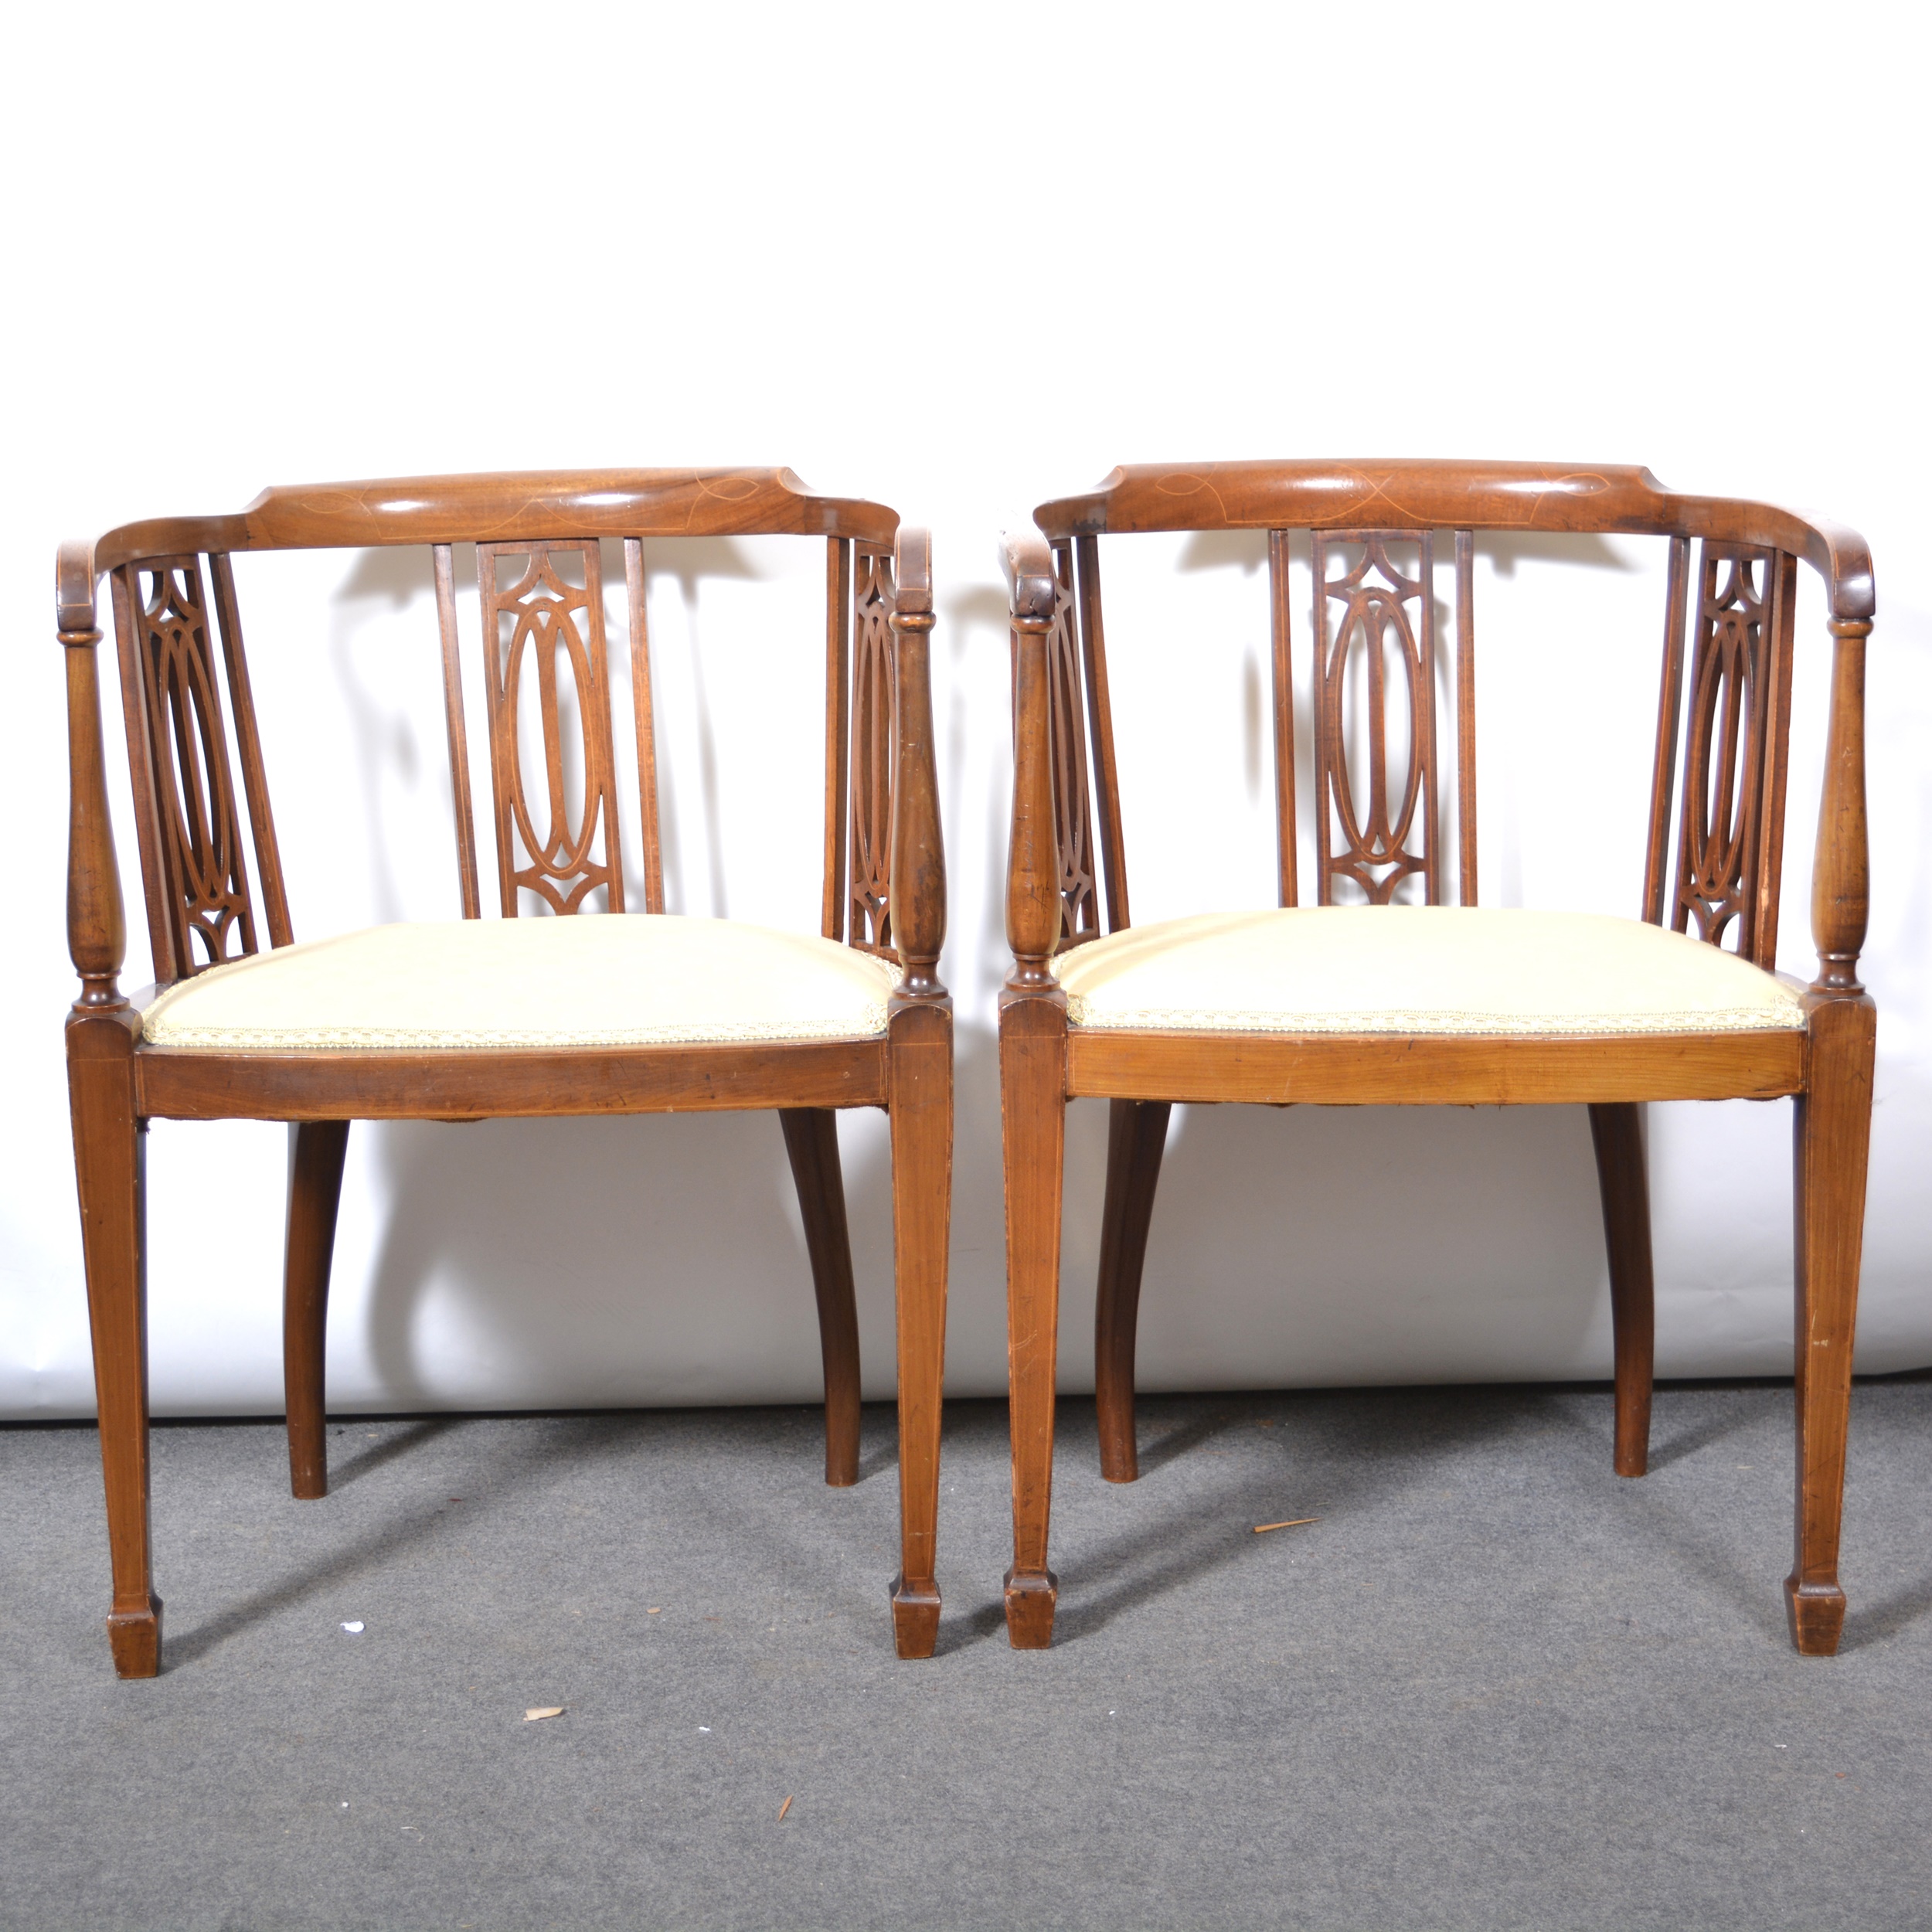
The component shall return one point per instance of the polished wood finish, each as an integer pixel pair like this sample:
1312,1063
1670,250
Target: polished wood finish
1382,843
1067,736
919,1055
1136,1140
538,618
1466,717
838,729
1033,1086
1670,704
536,1081
203,870
1613,499
811,1143
500,509
261,816
109,1156
1100,709
1281,654
314,1192
1731,825
545,662
1724,797
645,722
1471,1069
1616,1133
457,730
869,915
1831,1136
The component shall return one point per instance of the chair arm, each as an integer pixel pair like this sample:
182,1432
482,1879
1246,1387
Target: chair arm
1841,865
1033,905
1028,564
917,892
97,921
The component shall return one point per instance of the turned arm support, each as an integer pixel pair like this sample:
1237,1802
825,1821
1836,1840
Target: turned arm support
96,923
1841,869
917,893
1033,911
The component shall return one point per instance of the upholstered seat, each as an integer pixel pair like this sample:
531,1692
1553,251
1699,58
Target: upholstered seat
1417,969
606,980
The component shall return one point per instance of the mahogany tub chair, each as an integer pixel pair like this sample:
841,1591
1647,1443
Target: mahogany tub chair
1377,1002
618,1013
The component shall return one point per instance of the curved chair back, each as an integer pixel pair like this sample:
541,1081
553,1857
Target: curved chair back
1374,531
538,536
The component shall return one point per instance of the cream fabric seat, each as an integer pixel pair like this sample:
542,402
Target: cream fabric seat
1417,969
597,980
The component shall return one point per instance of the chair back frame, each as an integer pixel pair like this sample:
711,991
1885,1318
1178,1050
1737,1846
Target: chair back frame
1730,714
186,704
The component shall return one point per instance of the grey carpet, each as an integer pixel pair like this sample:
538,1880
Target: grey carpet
1493,1686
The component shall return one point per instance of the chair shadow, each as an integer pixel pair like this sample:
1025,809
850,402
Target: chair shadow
1868,1626
1193,1434
1219,1529
367,1461
569,1438
190,1646
1689,1543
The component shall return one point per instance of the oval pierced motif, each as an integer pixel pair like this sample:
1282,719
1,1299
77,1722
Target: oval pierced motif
1723,755
200,834
1373,843
874,696
1067,738
545,624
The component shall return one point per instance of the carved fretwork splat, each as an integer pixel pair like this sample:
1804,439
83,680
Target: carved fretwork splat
1730,821
1375,843
1073,808
532,626
874,695
194,791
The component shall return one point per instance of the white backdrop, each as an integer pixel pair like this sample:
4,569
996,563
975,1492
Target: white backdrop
960,267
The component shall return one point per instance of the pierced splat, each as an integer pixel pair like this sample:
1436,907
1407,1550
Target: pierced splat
533,628
1731,818
873,696
1073,809
1379,840
210,912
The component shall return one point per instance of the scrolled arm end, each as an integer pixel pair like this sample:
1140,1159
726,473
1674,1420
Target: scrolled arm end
1028,564
912,573
74,580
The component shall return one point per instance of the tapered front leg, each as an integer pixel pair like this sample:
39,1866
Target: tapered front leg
1616,1131
110,1148
812,1141
1032,1087
1833,1133
921,1051
314,1193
